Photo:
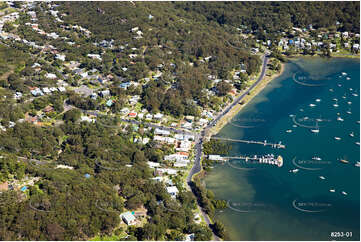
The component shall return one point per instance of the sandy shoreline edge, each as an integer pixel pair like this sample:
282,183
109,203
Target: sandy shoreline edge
237,108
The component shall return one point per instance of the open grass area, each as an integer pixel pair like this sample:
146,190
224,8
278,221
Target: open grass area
11,60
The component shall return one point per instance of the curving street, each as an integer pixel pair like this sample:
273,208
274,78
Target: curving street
199,138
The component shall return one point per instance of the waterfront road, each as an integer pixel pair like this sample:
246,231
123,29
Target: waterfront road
199,138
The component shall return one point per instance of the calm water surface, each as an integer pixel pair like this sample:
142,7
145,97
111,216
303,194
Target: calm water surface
270,203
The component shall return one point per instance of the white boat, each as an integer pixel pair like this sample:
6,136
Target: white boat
292,115
349,111
344,193
332,190
322,178
306,118
318,100
312,105
339,85
294,170
316,129
316,158
335,99
335,105
344,73
355,94
350,89
347,78
357,164
358,143
352,134
339,119
289,131
337,138
349,103
344,97
331,90
301,109
294,126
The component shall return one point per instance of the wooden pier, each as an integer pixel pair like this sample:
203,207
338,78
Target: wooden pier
271,160
265,143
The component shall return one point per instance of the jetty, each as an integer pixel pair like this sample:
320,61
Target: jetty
264,159
264,143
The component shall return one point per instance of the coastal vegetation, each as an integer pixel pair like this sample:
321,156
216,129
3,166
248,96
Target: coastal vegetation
70,173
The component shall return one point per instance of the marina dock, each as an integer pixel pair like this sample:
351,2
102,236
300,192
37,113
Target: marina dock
264,159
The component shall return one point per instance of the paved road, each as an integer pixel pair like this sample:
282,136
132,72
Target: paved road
199,142
199,138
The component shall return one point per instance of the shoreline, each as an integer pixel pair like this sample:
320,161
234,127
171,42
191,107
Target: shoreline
237,108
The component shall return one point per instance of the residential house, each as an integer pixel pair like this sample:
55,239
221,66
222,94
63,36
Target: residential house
158,131
128,218
173,191
132,114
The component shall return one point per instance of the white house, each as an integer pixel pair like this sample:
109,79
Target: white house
50,75
128,218
173,191
158,131
153,164
158,116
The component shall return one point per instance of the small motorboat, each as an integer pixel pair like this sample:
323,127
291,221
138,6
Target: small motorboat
339,85
347,78
357,164
294,170
349,103
344,161
344,73
358,143
340,119
350,89
294,126
322,177
344,193
331,90
318,100
352,134
316,158
316,129
312,105
337,138
289,131
355,94
332,190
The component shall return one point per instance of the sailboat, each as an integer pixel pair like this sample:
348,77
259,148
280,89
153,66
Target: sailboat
339,119
316,129
335,104
352,134
349,111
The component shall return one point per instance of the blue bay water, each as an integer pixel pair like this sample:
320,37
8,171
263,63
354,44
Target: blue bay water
271,203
